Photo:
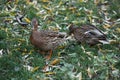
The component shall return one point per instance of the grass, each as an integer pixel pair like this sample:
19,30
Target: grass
19,60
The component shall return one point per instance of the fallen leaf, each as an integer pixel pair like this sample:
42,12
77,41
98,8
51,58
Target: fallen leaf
35,69
89,72
107,26
96,2
45,1
79,75
118,30
1,52
50,73
27,20
55,61
81,0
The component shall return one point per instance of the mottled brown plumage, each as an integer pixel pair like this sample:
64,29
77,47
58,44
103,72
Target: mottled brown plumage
46,40
88,34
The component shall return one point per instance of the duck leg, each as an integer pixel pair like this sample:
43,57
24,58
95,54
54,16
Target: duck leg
49,56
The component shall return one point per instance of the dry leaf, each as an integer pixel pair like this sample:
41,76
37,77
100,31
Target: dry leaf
27,20
1,52
89,72
118,30
107,26
45,0
79,76
55,61
81,0
35,69
50,73
96,2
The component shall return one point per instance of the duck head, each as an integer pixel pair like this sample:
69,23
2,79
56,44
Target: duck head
72,28
97,36
34,23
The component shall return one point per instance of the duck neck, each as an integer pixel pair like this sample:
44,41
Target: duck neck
35,28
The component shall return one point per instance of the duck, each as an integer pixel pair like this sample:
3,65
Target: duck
46,40
88,34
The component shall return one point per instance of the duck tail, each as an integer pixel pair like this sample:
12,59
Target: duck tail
104,41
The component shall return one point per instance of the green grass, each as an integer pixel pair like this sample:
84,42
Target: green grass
76,62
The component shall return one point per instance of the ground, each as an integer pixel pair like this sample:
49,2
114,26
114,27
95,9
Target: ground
19,60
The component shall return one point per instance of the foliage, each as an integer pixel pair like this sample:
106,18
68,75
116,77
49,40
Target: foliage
19,60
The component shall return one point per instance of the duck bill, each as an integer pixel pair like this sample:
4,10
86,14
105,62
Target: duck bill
104,41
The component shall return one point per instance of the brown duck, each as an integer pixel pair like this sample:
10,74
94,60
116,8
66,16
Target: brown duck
88,34
46,40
